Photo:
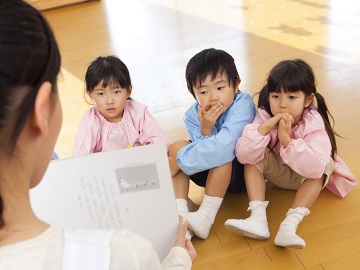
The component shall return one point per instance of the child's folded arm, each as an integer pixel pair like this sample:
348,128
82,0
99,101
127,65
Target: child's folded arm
207,152
250,148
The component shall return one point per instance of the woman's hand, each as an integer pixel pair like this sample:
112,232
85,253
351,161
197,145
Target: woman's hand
183,242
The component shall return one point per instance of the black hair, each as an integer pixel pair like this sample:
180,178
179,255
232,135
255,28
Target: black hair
292,76
109,70
211,62
29,56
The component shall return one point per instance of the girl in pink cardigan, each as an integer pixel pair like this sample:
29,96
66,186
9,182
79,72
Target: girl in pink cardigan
290,143
116,121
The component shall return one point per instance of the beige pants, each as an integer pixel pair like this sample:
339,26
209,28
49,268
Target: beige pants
281,175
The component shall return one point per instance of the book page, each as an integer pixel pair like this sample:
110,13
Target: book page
128,188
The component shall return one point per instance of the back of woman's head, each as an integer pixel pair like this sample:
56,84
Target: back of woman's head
108,70
29,56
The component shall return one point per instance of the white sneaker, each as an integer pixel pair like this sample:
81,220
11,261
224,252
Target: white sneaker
249,228
289,239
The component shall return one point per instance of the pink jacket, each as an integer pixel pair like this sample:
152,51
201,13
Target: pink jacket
137,127
307,154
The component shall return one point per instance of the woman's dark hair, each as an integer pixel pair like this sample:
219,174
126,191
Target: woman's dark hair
29,56
292,76
210,62
109,70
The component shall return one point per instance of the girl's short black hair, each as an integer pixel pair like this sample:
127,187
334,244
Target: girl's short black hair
109,70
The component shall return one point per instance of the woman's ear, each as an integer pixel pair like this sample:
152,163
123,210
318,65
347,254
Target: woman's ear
42,108
309,100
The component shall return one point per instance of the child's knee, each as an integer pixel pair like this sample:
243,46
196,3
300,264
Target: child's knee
251,168
176,146
227,167
319,182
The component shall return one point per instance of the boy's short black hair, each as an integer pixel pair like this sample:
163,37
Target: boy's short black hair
210,62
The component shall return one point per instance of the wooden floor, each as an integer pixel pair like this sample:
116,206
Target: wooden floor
156,38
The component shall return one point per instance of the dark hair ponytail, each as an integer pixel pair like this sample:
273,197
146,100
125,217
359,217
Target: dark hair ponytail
29,56
326,115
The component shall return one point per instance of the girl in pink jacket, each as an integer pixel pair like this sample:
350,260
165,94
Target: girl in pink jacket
291,143
116,121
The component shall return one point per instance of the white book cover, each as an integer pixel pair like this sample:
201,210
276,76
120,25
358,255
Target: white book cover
128,188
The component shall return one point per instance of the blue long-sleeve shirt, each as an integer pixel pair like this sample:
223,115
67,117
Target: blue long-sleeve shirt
206,152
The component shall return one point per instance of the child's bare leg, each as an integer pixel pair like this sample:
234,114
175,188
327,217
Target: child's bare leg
181,182
304,199
255,183
217,183
218,180
256,225
308,192
174,149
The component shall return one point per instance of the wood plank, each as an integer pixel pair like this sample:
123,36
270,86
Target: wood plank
50,4
331,251
348,262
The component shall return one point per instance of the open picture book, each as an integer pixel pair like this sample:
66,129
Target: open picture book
128,188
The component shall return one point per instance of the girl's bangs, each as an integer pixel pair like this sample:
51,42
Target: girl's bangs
287,83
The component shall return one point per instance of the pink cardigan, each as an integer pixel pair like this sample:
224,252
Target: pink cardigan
137,127
307,154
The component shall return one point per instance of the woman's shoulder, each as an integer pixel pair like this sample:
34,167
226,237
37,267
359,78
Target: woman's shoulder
125,236
133,250
121,237
48,244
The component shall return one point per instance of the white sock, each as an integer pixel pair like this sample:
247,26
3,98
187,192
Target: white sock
183,212
293,218
286,235
200,221
182,207
258,210
255,226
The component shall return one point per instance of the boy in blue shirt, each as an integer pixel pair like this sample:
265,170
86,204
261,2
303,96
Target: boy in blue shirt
214,123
